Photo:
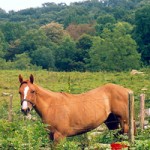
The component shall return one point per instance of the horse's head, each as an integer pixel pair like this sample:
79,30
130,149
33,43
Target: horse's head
27,93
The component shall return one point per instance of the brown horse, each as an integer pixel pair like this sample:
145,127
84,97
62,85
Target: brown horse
72,114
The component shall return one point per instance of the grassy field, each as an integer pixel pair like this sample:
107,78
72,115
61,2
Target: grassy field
28,134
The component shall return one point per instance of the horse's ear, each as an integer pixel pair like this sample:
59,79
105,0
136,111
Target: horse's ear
20,78
31,78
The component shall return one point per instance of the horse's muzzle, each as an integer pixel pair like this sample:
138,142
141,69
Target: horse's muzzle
25,111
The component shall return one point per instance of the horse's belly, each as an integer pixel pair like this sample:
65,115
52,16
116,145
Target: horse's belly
85,121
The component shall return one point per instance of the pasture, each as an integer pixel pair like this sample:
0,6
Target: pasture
23,133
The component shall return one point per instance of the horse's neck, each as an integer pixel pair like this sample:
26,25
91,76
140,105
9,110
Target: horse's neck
44,99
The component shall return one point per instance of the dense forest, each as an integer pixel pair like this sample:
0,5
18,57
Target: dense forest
93,35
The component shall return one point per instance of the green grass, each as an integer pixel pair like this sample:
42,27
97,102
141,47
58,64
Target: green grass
28,134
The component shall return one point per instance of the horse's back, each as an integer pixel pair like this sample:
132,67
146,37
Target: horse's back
116,92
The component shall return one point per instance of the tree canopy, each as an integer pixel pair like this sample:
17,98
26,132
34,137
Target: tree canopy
92,35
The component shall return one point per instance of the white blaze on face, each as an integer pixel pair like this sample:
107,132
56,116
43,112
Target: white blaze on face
24,104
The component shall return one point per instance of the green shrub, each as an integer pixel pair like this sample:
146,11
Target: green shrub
22,135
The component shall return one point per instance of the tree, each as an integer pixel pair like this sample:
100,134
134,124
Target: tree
77,14
3,13
65,55
29,42
77,30
82,54
3,45
116,50
33,39
22,61
142,32
104,21
54,31
44,57
13,31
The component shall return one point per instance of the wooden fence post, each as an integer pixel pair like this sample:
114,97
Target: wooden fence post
131,117
142,110
10,109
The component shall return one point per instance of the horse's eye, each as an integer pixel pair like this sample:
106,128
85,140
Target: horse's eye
32,91
20,93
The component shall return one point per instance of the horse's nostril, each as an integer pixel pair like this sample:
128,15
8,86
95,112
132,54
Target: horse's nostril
26,111
22,110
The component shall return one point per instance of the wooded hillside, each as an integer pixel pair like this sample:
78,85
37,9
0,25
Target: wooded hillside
92,35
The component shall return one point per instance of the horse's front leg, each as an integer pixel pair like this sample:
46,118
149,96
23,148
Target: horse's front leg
57,137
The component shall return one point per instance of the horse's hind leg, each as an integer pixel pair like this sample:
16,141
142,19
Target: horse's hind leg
124,125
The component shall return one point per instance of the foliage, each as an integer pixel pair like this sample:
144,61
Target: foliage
32,40
3,45
114,50
106,19
82,54
43,57
77,30
5,65
67,145
142,32
44,30
3,108
54,32
23,135
12,31
22,61
65,55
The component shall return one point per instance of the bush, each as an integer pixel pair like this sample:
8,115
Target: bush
22,135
